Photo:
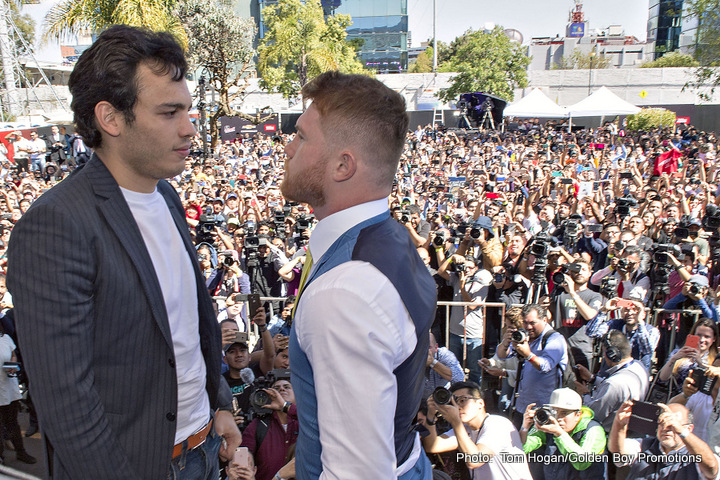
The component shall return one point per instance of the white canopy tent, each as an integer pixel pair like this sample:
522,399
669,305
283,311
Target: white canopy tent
535,105
602,103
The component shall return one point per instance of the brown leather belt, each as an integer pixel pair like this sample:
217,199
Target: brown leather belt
193,441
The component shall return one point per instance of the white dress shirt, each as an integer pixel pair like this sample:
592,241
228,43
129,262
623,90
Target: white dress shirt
355,331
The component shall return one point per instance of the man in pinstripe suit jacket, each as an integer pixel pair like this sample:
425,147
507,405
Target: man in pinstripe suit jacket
115,323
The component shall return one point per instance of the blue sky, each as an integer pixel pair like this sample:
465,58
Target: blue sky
532,18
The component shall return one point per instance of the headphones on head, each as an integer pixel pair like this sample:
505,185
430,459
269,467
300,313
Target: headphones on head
611,351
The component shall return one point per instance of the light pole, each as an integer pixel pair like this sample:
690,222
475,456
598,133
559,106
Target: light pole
203,118
592,56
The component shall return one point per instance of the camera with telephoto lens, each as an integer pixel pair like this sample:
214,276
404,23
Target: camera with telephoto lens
464,227
694,289
559,276
442,396
226,259
259,398
519,335
544,414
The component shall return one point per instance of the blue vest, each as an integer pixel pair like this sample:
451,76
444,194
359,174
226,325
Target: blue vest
386,245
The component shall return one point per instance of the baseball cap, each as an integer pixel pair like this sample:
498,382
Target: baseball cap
229,345
700,281
486,223
565,398
232,195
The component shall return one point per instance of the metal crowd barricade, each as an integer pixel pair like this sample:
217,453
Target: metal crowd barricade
254,335
465,306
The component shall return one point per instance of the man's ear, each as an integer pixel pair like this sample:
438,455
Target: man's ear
108,118
345,166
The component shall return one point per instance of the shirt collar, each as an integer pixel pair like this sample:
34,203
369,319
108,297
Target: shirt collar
330,228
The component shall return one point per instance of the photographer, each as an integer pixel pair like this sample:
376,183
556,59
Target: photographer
563,426
469,285
573,304
442,368
222,273
491,444
624,379
418,228
266,281
542,360
674,449
693,296
643,337
269,437
629,268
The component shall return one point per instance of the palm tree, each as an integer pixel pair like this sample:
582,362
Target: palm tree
73,16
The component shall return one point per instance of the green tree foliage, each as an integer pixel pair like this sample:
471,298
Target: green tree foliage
22,30
672,59
484,62
579,60
707,51
70,17
300,43
220,44
648,118
423,63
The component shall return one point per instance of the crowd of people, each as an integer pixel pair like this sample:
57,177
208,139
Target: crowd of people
609,238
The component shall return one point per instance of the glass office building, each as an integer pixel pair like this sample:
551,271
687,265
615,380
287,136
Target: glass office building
665,25
379,26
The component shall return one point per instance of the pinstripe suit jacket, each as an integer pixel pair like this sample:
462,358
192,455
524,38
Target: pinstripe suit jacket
94,331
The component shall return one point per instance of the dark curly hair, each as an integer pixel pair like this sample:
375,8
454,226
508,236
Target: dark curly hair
107,71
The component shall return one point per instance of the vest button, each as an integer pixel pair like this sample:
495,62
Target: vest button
171,362
170,416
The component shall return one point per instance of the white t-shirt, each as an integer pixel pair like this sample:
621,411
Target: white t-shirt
177,282
9,389
509,462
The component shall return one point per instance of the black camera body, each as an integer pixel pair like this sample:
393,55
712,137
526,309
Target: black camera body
226,259
623,205
404,216
519,336
609,287
442,396
544,414
259,397
661,251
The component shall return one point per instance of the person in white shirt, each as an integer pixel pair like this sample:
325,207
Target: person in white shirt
489,444
359,341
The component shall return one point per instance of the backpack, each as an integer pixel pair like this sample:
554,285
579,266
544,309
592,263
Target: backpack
568,375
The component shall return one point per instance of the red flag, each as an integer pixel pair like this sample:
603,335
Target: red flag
667,162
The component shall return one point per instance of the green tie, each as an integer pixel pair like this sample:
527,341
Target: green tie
303,278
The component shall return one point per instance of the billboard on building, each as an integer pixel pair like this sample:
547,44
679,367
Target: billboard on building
234,127
577,30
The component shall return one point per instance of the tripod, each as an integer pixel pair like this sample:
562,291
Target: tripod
538,288
487,120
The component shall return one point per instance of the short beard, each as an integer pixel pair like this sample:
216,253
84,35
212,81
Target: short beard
307,188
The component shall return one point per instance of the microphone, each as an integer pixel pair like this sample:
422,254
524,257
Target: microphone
247,375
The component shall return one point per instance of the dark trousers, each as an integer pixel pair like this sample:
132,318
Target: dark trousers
8,417
22,164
